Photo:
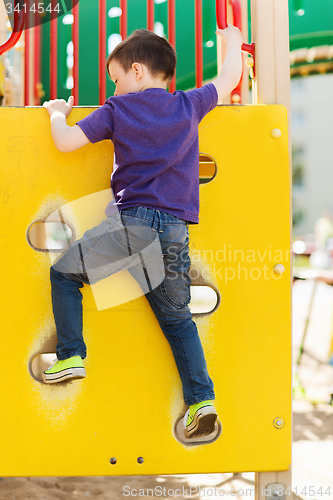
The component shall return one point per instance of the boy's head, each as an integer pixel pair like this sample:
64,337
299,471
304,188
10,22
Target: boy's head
142,55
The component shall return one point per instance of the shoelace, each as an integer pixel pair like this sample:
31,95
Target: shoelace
54,361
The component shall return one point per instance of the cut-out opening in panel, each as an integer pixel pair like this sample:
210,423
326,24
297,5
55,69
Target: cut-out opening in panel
179,433
48,236
204,299
207,168
40,363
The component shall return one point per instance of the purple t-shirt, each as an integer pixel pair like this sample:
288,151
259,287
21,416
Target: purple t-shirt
156,144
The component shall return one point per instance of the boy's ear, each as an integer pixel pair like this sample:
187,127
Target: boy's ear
138,70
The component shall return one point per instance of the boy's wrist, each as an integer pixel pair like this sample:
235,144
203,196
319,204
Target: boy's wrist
231,35
235,43
57,114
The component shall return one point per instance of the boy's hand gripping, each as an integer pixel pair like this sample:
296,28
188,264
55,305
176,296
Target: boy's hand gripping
231,34
232,67
65,138
59,106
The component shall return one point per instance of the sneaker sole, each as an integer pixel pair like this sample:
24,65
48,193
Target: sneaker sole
202,425
69,373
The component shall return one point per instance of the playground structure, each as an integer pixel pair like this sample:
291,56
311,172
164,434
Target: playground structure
51,51
244,254
311,38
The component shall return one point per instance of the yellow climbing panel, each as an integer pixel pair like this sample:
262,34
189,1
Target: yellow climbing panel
128,404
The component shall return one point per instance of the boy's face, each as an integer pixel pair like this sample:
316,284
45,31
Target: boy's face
125,82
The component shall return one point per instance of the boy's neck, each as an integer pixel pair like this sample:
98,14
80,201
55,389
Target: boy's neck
154,84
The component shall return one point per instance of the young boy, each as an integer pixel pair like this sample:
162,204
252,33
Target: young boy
155,182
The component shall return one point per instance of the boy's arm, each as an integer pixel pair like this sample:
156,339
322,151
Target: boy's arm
65,138
232,67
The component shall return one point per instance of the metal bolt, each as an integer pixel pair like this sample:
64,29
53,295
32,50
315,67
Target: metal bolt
279,269
275,493
140,460
278,423
113,460
249,62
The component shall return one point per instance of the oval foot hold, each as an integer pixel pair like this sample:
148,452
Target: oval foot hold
180,436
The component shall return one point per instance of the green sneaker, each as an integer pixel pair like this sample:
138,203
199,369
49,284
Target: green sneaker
68,368
200,420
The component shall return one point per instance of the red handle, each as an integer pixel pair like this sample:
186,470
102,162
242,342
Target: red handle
221,18
17,31
221,14
172,36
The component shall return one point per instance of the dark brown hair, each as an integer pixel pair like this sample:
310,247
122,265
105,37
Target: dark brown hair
145,47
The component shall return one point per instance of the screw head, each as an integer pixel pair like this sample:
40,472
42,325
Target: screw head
113,460
235,98
278,423
140,460
249,62
279,269
276,133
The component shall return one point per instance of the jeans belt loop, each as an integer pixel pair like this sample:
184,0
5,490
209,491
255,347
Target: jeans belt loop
161,222
154,223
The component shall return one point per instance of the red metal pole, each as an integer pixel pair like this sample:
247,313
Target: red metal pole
27,57
237,13
221,14
75,39
150,15
102,51
123,19
37,62
172,35
236,94
221,18
54,52
16,33
198,44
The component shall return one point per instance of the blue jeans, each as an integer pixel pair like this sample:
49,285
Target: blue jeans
153,246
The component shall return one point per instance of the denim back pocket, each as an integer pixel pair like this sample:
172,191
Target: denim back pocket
135,234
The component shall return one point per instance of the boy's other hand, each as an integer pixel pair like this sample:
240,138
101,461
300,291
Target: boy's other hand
232,66
59,105
231,34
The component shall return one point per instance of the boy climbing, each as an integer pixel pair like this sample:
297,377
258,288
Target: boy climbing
155,183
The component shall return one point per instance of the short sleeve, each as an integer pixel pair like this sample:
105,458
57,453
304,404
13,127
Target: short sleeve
99,125
204,99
